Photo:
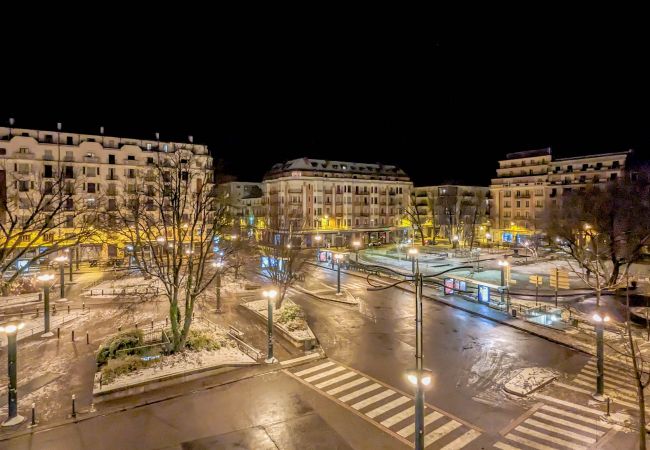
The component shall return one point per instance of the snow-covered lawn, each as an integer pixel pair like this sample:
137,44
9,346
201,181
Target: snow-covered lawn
261,306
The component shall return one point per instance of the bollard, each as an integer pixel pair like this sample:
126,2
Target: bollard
152,324
36,312
53,309
608,401
58,333
83,306
74,409
87,338
68,309
92,407
136,325
33,424
165,321
119,329
72,335
21,313
40,297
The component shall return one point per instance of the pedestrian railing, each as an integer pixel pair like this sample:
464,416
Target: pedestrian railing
55,322
125,291
234,334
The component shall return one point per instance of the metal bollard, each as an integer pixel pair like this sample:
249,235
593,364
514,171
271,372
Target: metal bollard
36,312
74,409
58,333
608,402
68,309
83,306
87,338
72,335
33,424
152,324
136,325
119,329
21,313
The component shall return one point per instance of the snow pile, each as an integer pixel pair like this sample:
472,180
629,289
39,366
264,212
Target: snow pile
528,380
261,306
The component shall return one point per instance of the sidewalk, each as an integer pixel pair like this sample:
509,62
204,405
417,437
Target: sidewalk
581,339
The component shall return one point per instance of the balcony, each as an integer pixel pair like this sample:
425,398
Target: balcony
92,159
112,177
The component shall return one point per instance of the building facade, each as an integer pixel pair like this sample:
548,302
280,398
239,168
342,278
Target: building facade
529,182
452,212
245,203
99,169
340,201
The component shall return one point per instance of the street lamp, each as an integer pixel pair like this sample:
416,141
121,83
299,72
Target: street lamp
61,260
599,319
414,253
218,265
338,258
421,379
503,264
270,294
356,245
67,250
455,241
46,279
11,329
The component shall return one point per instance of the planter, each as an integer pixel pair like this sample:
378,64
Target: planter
304,342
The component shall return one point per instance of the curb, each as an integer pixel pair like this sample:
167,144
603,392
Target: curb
340,302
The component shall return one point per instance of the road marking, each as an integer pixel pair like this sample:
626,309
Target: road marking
626,385
410,429
528,442
568,423
314,369
504,446
545,437
613,391
302,358
618,369
345,376
360,392
576,416
462,441
440,432
347,386
570,405
512,425
374,399
584,391
398,417
318,376
561,431
387,407
620,378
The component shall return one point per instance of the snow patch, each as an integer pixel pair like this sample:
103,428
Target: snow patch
528,380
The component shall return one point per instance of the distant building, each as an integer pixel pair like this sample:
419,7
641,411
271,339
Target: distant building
245,202
452,210
335,199
529,182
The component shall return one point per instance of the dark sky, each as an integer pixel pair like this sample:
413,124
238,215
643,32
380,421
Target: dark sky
442,105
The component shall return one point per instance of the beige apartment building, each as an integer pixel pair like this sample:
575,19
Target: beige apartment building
337,200
98,168
528,182
245,202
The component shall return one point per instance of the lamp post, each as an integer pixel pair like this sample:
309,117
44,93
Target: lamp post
338,257
61,260
67,250
599,319
270,294
421,379
455,241
46,279
503,264
318,238
218,265
10,330
356,245
413,252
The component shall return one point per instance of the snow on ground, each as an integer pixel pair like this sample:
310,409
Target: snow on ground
129,281
529,379
261,306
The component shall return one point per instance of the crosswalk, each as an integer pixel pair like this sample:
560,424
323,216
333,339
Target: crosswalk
556,424
385,406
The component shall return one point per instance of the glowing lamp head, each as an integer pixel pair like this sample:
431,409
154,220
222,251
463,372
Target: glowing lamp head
318,238
600,316
424,376
356,244
488,235
270,293
11,327
217,264
61,259
44,278
160,239
413,251
455,238
503,263
233,237
338,256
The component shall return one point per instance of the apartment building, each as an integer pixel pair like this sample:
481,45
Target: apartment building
245,202
448,211
338,200
529,182
98,168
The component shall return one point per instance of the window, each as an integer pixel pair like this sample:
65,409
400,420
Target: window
111,159
68,140
90,155
148,146
69,221
25,237
48,138
48,237
527,203
91,188
149,160
130,158
23,150
3,151
518,204
165,147
23,186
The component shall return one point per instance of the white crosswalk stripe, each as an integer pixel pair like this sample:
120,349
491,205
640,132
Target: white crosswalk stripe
377,402
555,424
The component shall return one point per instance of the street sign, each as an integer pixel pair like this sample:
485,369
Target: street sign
559,279
536,280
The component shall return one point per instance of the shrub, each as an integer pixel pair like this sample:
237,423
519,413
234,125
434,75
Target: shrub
292,317
198,340
122,366
126,340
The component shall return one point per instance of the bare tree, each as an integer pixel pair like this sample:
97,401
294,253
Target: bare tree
416,219
601,231
171,221
282,260
41,217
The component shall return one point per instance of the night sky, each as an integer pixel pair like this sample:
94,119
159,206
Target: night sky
443,106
